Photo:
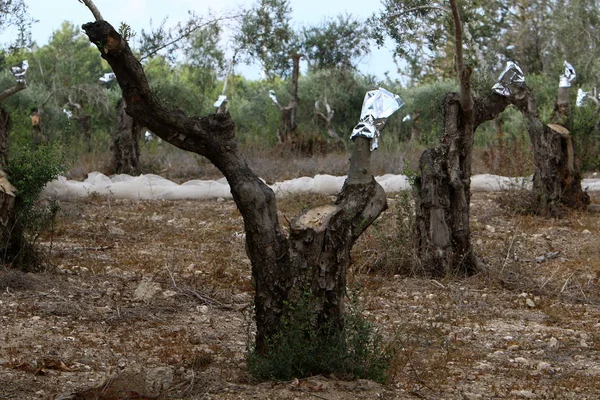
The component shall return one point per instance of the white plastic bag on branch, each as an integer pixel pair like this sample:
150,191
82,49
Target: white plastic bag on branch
568,76
20,70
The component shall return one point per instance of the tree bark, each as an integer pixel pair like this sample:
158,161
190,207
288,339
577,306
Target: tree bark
415,127
557,180
5,123
321,238
125,147
442,191
287,124
15,250
317,252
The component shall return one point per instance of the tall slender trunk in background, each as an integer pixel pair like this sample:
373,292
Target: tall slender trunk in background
125,147
287,125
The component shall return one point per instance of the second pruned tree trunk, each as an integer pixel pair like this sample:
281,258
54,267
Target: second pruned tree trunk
125,147
557,180
442,189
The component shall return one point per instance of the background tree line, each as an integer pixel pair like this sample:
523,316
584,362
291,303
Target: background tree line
539,35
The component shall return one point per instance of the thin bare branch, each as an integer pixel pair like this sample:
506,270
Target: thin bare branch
185,34
92,7
464,75
229,69
420,8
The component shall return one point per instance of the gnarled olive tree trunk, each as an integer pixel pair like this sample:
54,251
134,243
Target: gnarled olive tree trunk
125,147
317,251
5,123
557,180
4,131
442,191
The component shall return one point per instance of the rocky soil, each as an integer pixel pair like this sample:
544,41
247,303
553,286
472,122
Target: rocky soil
148,300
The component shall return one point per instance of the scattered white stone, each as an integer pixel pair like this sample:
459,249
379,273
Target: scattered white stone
521,360
553,342
159,379
146,290
530,303
544,366
527,394
586,232
490,229
202,309
113,230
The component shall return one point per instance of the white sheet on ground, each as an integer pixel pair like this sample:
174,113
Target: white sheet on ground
154,187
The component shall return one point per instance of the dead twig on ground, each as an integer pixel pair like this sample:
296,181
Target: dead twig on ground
204,299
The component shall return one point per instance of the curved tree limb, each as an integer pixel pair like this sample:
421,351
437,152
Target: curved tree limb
10,91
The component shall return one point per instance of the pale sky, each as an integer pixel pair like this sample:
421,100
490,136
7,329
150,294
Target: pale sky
138,13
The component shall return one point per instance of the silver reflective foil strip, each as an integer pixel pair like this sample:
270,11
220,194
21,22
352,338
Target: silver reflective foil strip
378,105
512,75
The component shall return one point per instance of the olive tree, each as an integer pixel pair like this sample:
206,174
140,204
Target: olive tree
315,254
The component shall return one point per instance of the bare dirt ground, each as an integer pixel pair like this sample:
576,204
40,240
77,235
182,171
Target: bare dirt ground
153,300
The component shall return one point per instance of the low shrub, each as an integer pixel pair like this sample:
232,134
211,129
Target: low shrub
301,349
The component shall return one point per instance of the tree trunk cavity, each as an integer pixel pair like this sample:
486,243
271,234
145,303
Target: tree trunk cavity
125,147
316,253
